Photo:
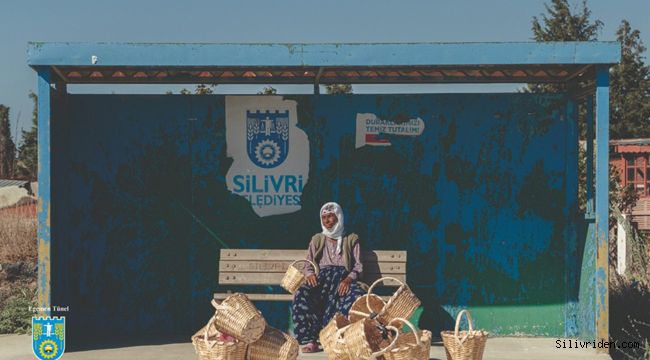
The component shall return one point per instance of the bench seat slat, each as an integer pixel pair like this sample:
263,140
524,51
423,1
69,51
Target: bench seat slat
292,254
275,278
229,266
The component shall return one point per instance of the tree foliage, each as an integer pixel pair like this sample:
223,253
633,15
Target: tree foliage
630,88
562,25
28,151
201,89
7,146
338,89
268,90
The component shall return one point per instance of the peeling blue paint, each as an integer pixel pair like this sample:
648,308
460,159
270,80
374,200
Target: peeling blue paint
146,186
602,201
44,192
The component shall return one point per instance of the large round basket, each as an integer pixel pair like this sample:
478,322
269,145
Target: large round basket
273,345
365,306
294,278
402,304
414,345
208,346
464,345
363,339
237,316
328,338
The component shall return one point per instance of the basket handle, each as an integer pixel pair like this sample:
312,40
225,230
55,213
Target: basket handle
311,262
339,339
360,313
387,348
211,344
402,320
222,306
340,331
469,322
375,284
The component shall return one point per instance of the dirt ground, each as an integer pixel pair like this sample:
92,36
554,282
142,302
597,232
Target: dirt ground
18,347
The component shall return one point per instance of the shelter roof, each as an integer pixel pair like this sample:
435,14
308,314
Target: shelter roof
165,63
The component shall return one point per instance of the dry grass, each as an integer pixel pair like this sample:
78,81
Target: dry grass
629,300
629,316
18,254
17,238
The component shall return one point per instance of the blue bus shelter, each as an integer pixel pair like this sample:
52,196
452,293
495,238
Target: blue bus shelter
134,202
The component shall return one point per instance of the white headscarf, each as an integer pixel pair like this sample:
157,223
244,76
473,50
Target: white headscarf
337,230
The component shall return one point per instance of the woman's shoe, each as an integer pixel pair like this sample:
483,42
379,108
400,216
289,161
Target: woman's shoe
312,347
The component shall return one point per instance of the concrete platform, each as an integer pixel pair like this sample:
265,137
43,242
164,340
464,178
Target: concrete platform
18,347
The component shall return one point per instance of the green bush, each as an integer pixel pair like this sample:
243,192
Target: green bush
15,314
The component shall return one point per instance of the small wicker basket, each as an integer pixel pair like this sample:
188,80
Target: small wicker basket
328,337
273,345
464,345
363,339
208,346
338,349
237,316
414,345
294,278
402,304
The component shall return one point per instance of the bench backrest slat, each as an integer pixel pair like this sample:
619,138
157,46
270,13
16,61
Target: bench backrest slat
291,255
267,267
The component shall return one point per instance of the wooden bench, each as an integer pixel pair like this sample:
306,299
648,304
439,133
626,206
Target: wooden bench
267,267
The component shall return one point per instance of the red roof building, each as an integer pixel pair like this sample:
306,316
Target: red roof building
631,158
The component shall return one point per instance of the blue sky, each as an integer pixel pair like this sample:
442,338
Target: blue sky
271,21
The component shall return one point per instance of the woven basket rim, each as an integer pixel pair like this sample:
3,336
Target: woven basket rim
474,333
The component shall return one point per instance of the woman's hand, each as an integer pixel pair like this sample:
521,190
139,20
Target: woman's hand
311,280
344,286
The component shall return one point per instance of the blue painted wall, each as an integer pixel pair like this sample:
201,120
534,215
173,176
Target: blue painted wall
481,200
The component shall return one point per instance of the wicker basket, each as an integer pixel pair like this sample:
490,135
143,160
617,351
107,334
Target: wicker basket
294,278
237,316
402,304
208,347
363,339
200,346
362,308
338,348
328,337
273,345
414,345
464,345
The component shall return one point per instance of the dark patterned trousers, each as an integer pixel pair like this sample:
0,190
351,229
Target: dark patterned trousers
314,307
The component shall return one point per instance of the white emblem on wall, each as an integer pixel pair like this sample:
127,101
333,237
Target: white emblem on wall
370,127
270,153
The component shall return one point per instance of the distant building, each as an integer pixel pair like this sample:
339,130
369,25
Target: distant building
631,158
18,197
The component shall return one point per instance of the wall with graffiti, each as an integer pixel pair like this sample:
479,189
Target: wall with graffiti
480,189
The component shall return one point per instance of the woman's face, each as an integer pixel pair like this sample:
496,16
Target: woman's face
329,220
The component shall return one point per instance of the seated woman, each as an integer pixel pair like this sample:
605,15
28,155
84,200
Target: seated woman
338,256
